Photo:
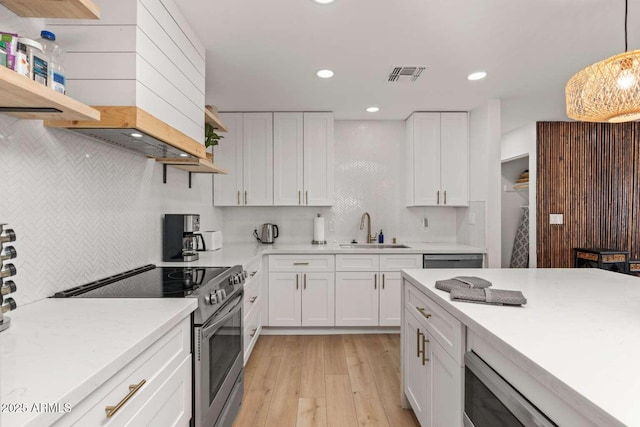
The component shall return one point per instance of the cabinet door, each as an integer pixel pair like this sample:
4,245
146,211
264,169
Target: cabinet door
257,154
227,188
426,157
288,188
318,299
390,298
318,159
357,299
415,370
284,299
446,386
454,151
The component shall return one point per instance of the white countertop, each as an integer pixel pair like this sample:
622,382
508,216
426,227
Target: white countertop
242,253
581,326
60,350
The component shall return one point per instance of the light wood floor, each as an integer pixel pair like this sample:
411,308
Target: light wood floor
332,381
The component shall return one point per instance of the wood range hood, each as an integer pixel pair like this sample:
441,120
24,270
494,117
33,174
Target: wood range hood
134,129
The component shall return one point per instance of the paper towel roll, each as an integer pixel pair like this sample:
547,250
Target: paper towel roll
318,230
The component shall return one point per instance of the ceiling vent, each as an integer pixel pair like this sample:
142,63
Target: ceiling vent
400,74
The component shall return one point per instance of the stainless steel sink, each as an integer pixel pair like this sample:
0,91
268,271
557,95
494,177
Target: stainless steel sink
372,246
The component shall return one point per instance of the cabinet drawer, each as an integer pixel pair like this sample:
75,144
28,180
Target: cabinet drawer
155,365
357,262
252,329
445,328
252,294
398,262
301,263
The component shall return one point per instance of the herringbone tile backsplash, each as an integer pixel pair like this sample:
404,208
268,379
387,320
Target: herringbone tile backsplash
82,209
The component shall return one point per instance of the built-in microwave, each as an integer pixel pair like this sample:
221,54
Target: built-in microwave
490,401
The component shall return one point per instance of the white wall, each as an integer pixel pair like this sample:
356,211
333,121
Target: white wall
484,177
522,142
369,176
83,210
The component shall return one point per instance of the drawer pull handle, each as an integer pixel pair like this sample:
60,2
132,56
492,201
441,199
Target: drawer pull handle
245,197
253,299
299,197
305,281
375,281
438,196
133,389
418,333
445,197
425,359
238,197
382,280
253,332
421,310
300,263
297,283
306,196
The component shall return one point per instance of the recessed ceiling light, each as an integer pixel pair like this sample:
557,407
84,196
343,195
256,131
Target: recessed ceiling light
184,155
479,75
323,1
373,109
324,74
136,135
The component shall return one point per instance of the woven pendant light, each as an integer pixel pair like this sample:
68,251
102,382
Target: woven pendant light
607,91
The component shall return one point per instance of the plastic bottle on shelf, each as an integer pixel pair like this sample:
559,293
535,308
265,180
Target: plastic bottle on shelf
55,54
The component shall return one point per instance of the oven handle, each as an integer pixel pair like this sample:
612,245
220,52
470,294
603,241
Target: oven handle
229,310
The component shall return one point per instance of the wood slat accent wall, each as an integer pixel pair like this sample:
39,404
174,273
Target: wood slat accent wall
590,173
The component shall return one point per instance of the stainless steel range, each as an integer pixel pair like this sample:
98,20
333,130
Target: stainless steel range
217,328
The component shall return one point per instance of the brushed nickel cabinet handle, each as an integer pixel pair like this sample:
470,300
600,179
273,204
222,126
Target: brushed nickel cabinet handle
375,281
297,284
299,197
245,197
421,310
238,196
253,299
425,359
306,195
300,263
133,389
305,281
418,333
438,196
253,332
382,280
445,197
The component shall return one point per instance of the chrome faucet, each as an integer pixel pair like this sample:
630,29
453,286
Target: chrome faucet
370,238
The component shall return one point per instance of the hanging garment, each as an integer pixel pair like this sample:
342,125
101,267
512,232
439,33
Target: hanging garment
520,253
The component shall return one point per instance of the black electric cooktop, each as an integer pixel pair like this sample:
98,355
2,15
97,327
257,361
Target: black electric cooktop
149,282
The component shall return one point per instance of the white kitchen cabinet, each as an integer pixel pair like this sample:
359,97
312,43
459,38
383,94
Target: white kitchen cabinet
368,288
159,380
357,298
247,153
253,307
303,159
432,373
301,299
437,159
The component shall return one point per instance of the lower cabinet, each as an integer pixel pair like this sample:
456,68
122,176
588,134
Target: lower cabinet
253,307
154,389
432,377
368,288
301,299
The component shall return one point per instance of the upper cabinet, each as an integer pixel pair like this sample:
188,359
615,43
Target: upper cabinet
437,159
247,153
303,159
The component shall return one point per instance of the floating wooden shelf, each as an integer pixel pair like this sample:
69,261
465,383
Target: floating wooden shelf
192,165
26,99
211,117
69,9
521,186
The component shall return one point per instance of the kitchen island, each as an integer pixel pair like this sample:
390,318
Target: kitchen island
572,350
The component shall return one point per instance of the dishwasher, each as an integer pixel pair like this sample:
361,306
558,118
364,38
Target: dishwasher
452,260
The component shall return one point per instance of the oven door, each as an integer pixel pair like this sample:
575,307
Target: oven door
218,365
490,401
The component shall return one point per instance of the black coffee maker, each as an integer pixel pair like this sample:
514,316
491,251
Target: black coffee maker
181,240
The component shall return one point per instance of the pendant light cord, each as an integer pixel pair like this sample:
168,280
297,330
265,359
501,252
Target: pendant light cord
626,12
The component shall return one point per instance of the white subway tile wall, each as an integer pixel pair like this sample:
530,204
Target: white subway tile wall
369,176
83,210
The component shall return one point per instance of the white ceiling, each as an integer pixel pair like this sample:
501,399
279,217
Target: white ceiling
263,55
